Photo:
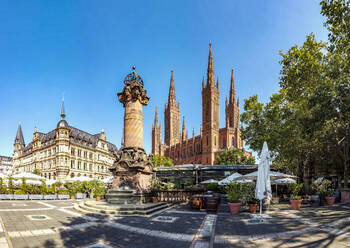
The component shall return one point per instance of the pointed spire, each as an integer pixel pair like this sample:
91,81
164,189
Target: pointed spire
156,118
232,89
217,83
63,114
210,70
172,97
193,133
183,125
226,101
203,83
237,101
19,136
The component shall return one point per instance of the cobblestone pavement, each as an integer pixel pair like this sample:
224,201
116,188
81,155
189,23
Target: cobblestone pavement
57,224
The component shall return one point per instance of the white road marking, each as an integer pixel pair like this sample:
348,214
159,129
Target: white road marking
47,204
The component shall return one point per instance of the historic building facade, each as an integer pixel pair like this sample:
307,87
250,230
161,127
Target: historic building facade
203,148
64,153
6,165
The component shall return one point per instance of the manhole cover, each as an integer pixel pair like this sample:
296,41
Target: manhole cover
38,217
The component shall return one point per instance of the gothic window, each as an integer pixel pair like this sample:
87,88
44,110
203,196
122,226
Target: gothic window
233,141
207,140
207,111
224,142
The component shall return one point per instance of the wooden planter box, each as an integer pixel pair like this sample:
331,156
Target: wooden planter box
35,197
6,197
50,197
63,197
345,195
20,197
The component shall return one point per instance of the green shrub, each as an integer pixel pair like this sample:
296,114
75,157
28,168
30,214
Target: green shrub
44,190
20,192
296,189
63,192
213,187
234,191
24,187
10,186
248,193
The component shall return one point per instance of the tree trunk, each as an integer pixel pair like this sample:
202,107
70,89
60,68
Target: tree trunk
346,164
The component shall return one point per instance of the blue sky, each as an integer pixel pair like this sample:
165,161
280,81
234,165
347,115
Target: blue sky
86,48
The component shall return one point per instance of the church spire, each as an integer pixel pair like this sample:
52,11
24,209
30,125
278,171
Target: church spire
183,129
210,70
172,97
232,89
19,136
63,114
156,118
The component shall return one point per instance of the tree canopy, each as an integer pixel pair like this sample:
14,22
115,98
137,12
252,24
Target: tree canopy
307,122
235,156
159,160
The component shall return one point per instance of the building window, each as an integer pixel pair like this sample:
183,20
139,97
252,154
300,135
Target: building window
72,164
85,166
90,155
224,143
90,167
79,153
79,165
85,154
233,141
72,151
215,140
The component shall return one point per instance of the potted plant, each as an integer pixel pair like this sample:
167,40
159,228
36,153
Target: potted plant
296,200
155,187
98,189
249,197
330,198
234,191
72,190
324,191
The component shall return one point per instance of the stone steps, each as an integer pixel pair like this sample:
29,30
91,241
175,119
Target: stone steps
136,210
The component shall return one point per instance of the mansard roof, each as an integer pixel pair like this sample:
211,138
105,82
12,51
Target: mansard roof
76,136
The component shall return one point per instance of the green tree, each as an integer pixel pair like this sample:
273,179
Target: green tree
159,160
37,172
234,156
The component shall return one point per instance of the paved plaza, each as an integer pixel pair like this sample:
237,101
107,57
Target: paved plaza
57,224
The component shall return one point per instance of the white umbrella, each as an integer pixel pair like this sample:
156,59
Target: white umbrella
28,175
209,181
81,179
28,181
273,175
244,181
108,180
282,181
263,184
229,179
50,181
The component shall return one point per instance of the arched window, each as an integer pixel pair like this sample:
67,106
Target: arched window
49,175
207,140
233,141
72,175
224,143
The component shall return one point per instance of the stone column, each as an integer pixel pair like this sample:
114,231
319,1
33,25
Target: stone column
133,124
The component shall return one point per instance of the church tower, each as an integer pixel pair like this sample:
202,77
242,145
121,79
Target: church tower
210,114
232,118
156,135
172,117
19,142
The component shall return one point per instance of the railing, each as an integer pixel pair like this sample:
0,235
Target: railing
176,195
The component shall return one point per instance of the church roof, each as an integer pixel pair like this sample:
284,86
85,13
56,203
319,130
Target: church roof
19,136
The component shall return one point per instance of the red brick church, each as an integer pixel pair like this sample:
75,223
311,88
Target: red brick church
203,148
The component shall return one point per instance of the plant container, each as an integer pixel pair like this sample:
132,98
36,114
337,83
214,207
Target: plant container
296,204
330,200
235,207
252,208
212,204
98,198
72,197
155,199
